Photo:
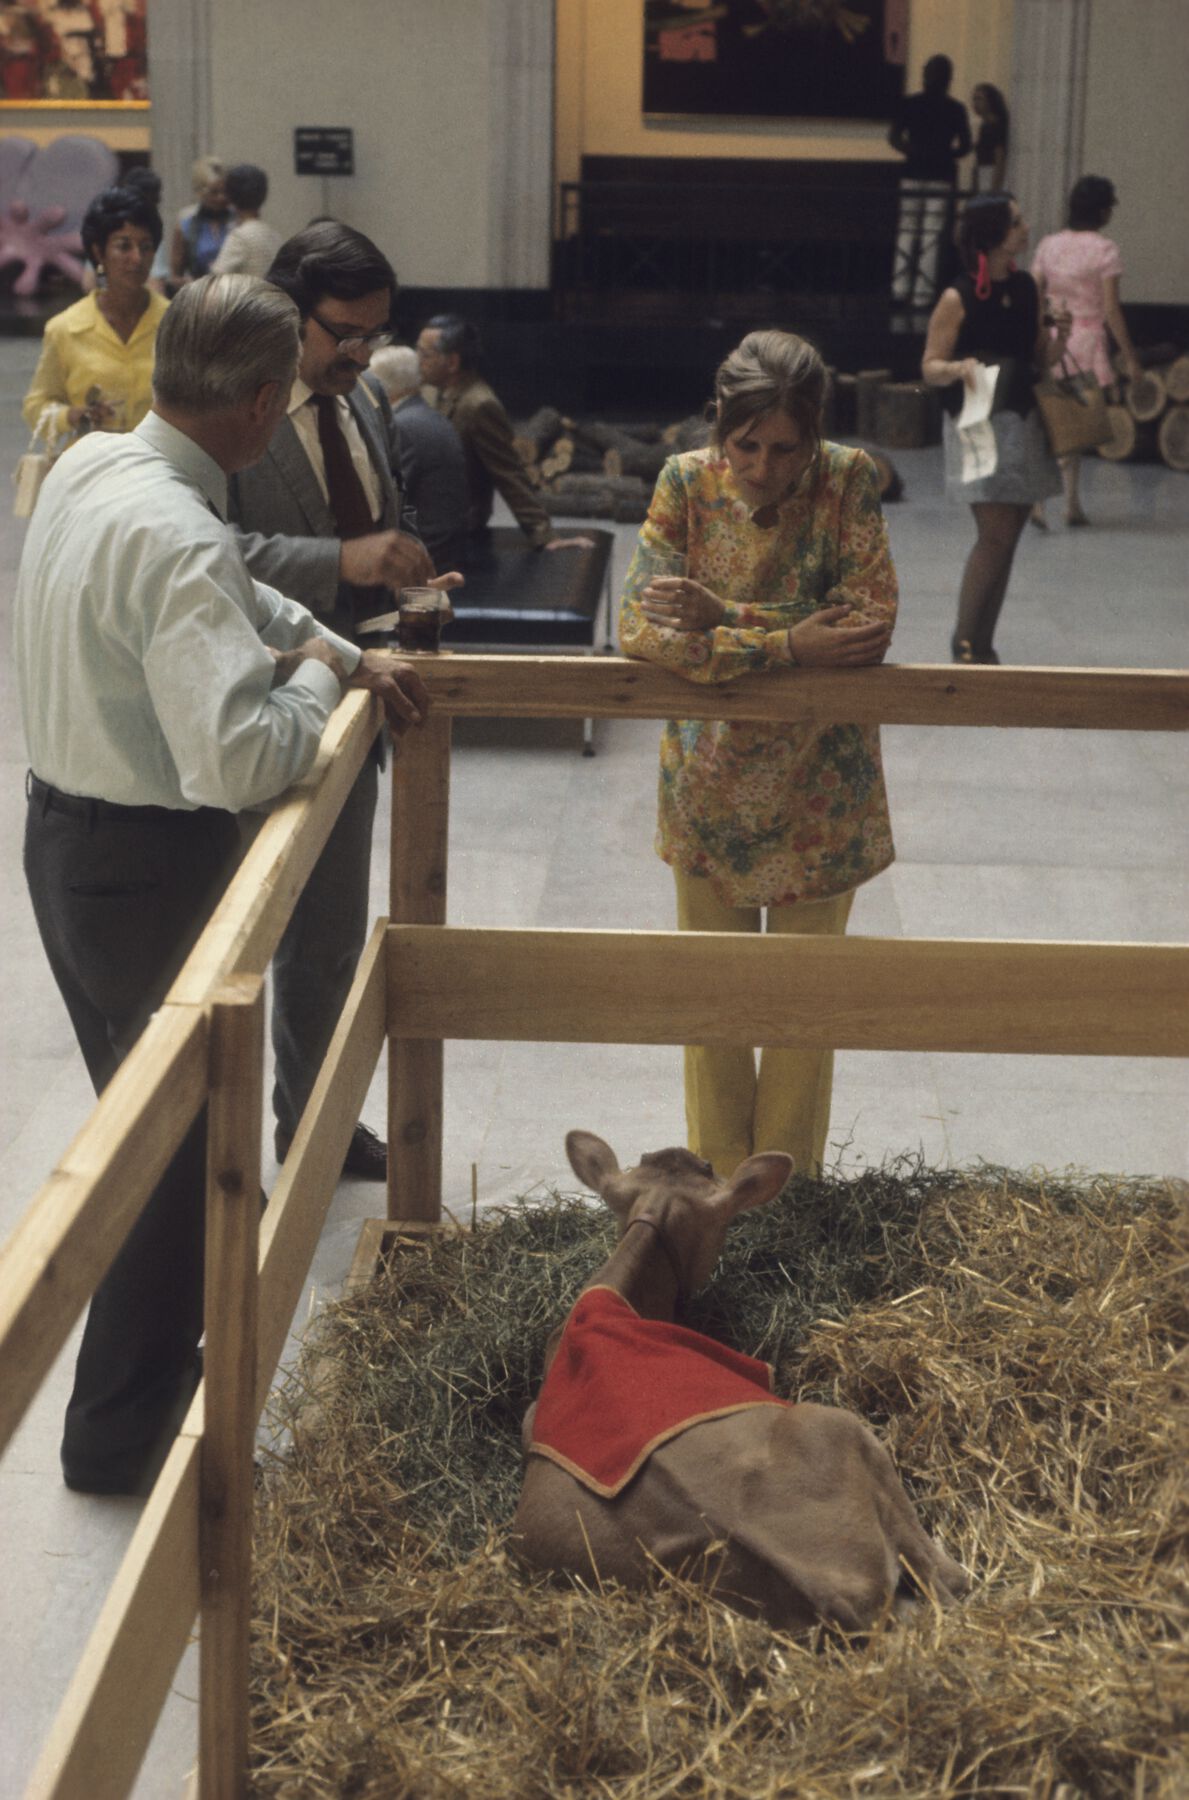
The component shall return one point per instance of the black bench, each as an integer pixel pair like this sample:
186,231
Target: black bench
518,598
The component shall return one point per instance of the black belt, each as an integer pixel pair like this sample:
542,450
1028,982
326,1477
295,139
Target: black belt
82,806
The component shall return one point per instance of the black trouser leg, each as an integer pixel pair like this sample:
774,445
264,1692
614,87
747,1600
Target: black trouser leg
316,959
119,902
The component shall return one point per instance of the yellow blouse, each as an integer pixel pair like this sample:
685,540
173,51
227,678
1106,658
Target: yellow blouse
80,351
768,814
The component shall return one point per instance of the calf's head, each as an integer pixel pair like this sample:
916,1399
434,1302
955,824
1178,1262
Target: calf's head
680,1195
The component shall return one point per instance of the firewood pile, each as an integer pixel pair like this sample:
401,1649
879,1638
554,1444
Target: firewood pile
590,469
593,470
1152,418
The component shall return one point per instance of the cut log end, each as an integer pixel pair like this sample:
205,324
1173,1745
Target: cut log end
1172,438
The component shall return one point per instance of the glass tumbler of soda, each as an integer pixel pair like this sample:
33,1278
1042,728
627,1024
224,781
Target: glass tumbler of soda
420,615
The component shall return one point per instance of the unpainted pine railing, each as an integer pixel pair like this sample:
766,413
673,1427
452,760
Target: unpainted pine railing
418,983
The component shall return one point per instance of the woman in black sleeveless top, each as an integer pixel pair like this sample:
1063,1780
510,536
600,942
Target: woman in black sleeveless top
991,316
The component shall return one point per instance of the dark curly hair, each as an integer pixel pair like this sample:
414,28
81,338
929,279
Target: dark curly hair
1091,202
112,209
985,222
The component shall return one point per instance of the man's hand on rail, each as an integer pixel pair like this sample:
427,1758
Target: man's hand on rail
402,691
314,649
824,641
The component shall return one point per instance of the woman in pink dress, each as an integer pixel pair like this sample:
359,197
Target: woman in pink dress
1079,268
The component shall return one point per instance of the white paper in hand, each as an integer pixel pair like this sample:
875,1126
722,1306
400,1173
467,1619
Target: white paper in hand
976,434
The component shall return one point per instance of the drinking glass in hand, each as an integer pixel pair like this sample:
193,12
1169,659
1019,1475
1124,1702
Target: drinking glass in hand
661,563
420,616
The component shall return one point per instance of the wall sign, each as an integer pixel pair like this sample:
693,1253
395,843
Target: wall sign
324,150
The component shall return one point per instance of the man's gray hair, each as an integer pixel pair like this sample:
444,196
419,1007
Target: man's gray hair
397,369
221,340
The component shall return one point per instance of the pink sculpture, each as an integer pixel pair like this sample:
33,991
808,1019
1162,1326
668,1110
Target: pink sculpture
43,196
39,243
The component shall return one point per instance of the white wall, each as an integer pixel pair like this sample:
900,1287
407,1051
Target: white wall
411,77
1136,132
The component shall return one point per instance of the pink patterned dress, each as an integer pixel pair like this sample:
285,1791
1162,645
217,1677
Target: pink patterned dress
1073,268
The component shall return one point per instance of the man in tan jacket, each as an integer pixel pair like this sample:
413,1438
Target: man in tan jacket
448,351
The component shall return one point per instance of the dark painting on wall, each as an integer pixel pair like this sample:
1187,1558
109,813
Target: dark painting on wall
73,53
777,59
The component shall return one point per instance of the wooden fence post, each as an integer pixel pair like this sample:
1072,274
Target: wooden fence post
420,832
229,1421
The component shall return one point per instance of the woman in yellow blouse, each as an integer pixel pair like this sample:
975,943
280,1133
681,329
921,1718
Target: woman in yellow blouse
788,567
96,366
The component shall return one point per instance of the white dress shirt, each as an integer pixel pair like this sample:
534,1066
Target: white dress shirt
140,637
304,417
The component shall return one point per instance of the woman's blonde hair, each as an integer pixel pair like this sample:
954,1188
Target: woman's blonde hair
204,171
771,371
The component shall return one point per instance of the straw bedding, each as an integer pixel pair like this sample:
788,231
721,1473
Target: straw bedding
1018,1342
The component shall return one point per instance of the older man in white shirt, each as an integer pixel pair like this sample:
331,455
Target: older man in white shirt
163,690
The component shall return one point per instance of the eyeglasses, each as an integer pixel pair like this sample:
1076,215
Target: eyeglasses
352,341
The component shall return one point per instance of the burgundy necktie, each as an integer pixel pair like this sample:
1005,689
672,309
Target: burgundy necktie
348,501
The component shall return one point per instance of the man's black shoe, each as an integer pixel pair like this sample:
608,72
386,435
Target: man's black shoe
366,1158
367,1155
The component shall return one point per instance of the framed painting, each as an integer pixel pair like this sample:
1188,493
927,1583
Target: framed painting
73,53
775,59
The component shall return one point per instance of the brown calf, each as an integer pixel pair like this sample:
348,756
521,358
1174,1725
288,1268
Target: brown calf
791,1512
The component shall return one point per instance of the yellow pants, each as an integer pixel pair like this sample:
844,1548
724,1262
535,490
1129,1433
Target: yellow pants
730,1113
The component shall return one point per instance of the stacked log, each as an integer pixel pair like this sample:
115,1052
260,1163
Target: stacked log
1131,439
867,385
1176,379
1147,422
1172,437
598,496
907,415
841,405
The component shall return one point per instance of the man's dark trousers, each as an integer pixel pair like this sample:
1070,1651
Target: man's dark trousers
120,895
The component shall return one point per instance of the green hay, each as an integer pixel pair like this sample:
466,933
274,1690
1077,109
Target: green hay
1013,1340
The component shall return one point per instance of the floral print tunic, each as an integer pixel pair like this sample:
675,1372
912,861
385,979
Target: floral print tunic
769,814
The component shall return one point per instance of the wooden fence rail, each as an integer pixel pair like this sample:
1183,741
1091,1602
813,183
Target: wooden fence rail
419,982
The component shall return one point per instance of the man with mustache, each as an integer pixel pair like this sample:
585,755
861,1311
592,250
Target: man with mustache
322,518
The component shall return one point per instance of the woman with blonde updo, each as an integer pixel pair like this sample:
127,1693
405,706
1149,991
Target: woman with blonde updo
787,568
200,230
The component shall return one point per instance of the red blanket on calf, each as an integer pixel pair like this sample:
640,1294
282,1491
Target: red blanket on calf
621,1385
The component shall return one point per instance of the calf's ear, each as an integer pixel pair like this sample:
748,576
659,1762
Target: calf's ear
759,1180
593,1161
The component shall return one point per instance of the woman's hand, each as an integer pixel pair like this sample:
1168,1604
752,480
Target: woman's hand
679,604
98,416
823,641
1060,321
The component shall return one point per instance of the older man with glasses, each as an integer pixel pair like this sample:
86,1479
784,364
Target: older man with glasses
322,518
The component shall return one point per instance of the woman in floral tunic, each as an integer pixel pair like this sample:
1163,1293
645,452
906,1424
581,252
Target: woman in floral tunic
788,567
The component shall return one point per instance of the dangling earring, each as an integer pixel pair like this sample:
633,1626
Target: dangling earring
982,284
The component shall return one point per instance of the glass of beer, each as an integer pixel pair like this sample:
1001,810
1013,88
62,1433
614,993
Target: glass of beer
420,615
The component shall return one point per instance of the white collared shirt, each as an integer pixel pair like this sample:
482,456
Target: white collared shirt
304,417
140,637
